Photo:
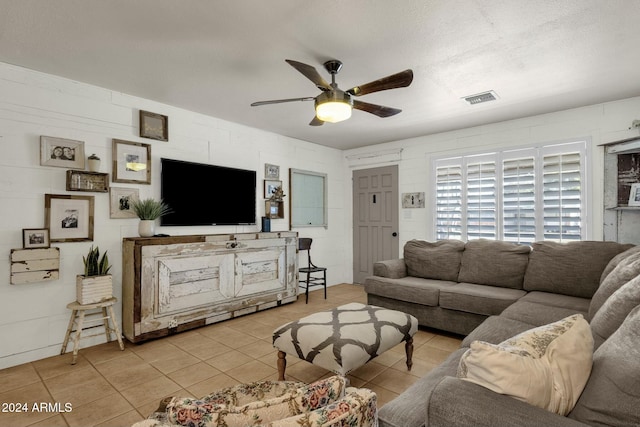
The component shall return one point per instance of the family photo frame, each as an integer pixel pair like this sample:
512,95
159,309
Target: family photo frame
131,162
154,126
61,152
69,218
121,200
33,238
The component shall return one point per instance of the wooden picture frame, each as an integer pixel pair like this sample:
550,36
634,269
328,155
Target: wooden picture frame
61,152
120,202
69,218
33,238
270,186
271,171
131,162
97,182
634,194
154,126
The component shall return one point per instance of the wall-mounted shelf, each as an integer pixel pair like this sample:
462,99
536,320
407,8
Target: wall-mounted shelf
273,209
34,265
87,181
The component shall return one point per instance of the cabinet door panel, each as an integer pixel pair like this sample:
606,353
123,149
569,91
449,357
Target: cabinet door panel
185,283
260,271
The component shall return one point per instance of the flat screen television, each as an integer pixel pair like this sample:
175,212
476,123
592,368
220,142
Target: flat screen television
202,194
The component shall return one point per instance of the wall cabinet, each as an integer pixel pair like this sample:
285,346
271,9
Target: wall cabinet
171,284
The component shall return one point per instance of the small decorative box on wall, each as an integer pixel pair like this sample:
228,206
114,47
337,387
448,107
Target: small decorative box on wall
87,181
34,265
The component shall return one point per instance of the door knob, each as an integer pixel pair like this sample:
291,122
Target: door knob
394,234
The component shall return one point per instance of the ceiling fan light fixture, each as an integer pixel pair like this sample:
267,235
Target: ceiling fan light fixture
333,106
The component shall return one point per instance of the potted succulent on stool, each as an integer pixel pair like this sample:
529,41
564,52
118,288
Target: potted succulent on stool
148,210
95,285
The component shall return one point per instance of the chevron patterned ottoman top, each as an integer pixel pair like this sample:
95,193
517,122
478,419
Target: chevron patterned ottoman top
346,337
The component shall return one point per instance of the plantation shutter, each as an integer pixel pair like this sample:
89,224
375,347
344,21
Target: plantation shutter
518,200
562,198
449,202
481,200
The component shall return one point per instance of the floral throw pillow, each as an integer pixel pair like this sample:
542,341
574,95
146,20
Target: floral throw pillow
547,366
255,404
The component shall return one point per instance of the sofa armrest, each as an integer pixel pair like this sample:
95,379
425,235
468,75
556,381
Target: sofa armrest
454,402
393,268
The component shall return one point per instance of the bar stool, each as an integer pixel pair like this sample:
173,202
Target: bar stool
78,312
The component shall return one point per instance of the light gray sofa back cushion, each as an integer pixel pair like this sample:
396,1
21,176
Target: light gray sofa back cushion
626,269
494,263
614,310
572,268
616,260
433,260
610,397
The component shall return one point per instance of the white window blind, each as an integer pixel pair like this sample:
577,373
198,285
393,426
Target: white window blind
518,195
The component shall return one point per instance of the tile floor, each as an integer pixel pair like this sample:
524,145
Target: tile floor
109,387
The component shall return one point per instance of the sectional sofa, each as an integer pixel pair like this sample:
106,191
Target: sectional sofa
500,295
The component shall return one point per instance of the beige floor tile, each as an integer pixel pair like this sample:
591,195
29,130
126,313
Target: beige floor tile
446,343
150,407
229,360
394,380
206,349
18,376
212,384
150,391
430,354
123,374
53,421
59,365
303,371
126,419
419,369
389,358
369,371
258,349
31,394
80,387
98,412
193,374
252,371
104,352
383,395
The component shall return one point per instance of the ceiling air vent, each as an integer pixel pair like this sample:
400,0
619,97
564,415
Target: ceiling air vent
481,97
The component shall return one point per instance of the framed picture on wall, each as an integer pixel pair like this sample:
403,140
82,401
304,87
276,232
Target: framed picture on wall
131,162
270,186
271,171
634,195
69,218
35,238
62,153
154,126
120,202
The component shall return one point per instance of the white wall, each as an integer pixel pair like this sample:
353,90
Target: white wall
33,317
599,124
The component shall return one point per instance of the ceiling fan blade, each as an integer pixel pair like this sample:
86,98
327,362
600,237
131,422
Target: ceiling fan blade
378,110
316,122
401,79
280,101
311,73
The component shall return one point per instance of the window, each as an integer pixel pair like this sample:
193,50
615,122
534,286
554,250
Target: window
518,196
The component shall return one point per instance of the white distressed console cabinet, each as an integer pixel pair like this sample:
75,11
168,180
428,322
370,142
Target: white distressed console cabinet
172,284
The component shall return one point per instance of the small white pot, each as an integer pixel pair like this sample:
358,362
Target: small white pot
147,228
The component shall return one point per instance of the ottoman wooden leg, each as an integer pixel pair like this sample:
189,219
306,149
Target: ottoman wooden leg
282,364
408,347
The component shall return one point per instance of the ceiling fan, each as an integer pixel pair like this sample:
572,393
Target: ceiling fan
335,105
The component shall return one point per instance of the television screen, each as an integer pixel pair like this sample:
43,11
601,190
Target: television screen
201,194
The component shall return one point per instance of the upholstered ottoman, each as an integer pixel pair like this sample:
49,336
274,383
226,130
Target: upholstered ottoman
344,338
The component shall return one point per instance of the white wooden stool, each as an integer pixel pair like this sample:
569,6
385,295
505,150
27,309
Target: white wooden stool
83,323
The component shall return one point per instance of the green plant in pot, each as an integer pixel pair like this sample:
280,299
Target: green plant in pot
95,285
148,210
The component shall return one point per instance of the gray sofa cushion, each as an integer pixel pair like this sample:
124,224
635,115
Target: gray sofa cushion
538,314
434,260
479,299
392,268
409,289
614,310
495,263
626,269
572,268
495,330
611,394
580,305
616,260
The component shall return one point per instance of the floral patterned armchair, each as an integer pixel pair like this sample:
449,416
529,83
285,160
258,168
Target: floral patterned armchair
327,403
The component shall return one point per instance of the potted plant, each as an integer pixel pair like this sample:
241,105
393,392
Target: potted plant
148,210
95,285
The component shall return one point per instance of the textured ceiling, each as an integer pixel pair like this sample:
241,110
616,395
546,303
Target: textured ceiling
217,57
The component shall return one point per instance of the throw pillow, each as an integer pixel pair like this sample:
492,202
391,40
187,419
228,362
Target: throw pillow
219,408
610,397
614,310
626,269
547,366
616,260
